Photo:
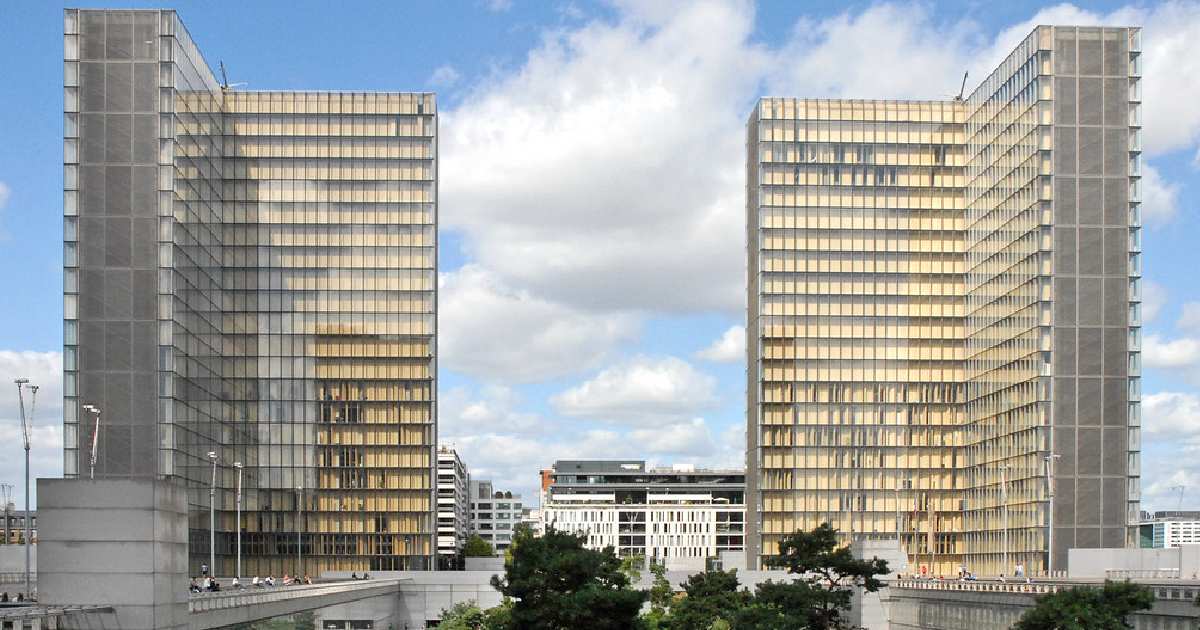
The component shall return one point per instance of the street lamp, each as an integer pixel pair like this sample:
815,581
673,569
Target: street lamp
212,517
1049,460
238,466
95,438
26,428
299,528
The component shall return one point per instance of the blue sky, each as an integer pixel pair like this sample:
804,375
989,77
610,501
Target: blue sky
591,196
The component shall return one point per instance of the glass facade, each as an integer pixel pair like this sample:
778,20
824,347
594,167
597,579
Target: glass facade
251,274
912,359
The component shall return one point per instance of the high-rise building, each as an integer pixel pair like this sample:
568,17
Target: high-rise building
495,514
943,325
453,507
251,274
682,517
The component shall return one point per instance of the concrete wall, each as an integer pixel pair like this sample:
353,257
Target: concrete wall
1182,562
120,543
12,558
425,594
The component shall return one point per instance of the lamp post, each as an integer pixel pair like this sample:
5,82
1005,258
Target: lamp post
1049,460
26,428
238,466
95,438
1004,502
299,528
212,517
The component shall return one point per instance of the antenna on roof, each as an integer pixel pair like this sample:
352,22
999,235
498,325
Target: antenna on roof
1180,490
961,89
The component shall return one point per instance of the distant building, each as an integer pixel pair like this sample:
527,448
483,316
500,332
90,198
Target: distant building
453,506
680,516
14,527
1168,529
494,513
532,517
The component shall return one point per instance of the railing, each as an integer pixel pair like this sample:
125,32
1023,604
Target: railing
202,602
1187,592
1142,574
16,577
981,586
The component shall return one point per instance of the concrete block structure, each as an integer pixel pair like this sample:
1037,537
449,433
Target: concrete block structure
116,542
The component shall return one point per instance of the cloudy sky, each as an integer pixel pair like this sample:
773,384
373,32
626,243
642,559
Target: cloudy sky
592,185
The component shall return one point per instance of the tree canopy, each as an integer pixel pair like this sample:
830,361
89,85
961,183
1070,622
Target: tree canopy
556,583
477,547
1088,608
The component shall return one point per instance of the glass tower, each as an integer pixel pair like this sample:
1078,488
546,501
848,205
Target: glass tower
943,312
251,274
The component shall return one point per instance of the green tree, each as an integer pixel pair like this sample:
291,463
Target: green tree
556,584
462,616
468,616
827,574
477,547
1088,608
709,596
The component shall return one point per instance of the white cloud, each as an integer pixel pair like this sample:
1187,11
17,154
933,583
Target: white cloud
495,408
1160,198
876,54
43,369
1183,352
443,76
5,193
500,334
729,348
640,390
498,6
1189,317
1154,298
1172,414
579,176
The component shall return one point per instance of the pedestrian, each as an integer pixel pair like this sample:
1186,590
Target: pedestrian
255,583
20,597
194,587
4,597
204,569
1020,572
236,583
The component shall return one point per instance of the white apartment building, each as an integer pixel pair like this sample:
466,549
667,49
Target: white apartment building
681,516
494,514
453,512
1164,530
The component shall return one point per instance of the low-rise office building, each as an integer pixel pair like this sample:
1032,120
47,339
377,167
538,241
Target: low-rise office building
1168,529
494,513
680,516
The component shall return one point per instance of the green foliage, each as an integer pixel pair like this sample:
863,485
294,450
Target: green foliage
556,583
632,567
477,547
817,599
462,616
661,593
468,616
830,572
1087,608
710,596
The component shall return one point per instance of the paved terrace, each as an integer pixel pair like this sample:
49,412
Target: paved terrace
996,605
223,608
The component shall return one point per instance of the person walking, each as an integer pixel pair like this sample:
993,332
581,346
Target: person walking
204,569
1020,570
